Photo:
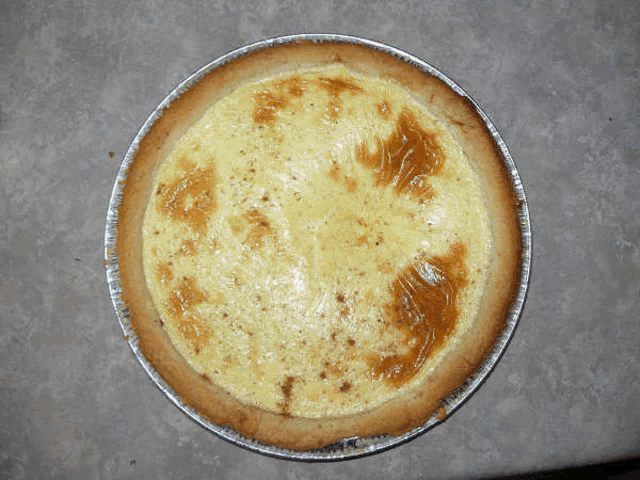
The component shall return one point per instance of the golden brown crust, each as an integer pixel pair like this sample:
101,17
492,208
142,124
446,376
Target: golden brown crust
401,414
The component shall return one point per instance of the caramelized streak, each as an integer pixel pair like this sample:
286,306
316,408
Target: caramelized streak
337,86
423,312
286,389
189,199
405,159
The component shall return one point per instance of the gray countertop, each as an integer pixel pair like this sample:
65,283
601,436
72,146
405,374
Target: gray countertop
561,81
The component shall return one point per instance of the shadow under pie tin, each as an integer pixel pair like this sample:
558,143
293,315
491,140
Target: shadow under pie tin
350,447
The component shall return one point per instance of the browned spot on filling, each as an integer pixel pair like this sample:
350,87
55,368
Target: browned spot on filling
423,311
323,375
336,175
187,248
236,281
236,224
351,342
286,388
362,241
345,387
259,228
268,103
384,110
228,361
352,185
181,301
385,268
185,296
406,159
164,273
336,87
293,86
190,198
337,369
255,224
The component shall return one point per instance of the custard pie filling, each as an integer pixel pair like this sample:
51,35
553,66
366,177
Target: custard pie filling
316,242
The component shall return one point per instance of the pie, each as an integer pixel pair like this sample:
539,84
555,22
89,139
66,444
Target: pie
318,241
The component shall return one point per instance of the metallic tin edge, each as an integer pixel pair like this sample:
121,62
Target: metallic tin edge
351,447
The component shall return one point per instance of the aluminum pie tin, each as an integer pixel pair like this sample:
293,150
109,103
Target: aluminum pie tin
347,448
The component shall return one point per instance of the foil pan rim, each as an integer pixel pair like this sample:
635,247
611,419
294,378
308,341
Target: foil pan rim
348,448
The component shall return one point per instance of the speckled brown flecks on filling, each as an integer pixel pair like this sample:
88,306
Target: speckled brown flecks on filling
190,198
423,311
406,158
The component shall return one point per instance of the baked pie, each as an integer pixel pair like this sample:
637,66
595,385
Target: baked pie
318,241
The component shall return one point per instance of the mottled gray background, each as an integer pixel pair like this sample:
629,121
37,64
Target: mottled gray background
560,79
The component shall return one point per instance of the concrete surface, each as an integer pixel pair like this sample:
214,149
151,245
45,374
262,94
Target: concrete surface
559,78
